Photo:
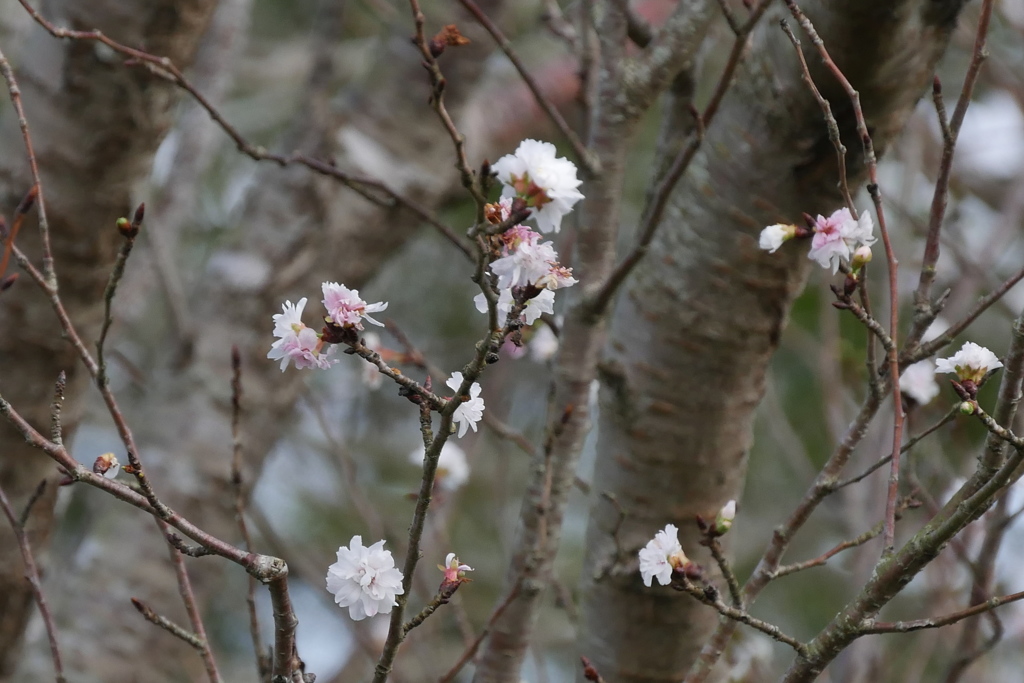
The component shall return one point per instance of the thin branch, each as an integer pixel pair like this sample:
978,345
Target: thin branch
892,496
32,575
928,348
730,576
192,609
946,419
922,296
438,84
835,550
470,651
585,157
37,184
367,187
129,231
938,622
830,120
166,624
709,596
262,663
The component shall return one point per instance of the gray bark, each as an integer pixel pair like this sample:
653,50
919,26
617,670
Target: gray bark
695,329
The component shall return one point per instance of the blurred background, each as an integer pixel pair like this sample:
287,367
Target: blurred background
308,75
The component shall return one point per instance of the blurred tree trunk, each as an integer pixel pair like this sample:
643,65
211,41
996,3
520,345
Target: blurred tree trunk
694,331
95,125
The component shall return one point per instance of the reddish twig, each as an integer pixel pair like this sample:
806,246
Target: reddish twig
950,132
889,535
37,185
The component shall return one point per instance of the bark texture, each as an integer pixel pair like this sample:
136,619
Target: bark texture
695,328
95,125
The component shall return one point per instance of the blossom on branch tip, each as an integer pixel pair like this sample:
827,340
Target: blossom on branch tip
918,382
346,309
364,579
454,571
469,411
547,183
297,343
972,362
838,236
774,236
661,556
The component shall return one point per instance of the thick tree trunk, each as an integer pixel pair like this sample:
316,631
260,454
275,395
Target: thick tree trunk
95,125
696,327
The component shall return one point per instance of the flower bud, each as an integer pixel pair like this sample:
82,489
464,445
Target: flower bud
107,465
967,408
861,257
723,521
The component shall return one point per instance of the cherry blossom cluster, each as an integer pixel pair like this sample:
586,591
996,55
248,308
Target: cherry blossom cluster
837,240
545,182
527,270
304,346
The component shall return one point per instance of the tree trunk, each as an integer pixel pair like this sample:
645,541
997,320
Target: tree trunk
695,329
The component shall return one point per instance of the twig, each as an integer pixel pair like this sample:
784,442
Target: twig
166,624
783,534
129,231
928,348
470,651
438,85
845,545
8,236
32,575
262,664
709,596
162,67
889,534
44,226
946,419
922,303
32,500
585,157
830,120
937,622
191,608
730,576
